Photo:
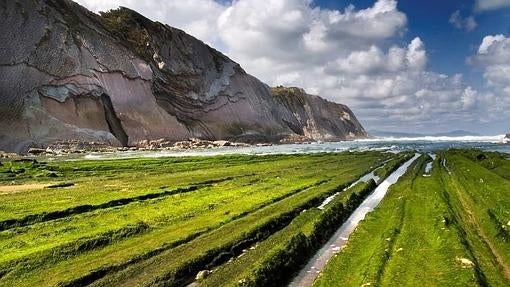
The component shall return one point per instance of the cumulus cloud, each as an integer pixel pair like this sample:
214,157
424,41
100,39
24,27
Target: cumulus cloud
375,61
494,57
344,55
284,33
468,23
487,5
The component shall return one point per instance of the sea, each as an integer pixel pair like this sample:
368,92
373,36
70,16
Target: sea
420,144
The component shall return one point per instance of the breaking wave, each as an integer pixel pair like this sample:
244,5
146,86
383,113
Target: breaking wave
473,139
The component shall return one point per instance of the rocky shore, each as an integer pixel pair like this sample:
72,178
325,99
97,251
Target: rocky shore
8,155
81,147
77,147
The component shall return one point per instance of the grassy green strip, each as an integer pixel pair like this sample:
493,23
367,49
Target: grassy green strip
202,219
389,167
71,249
36,218
411,239
103,181
277,268
239,268
480,199
290,247
219,245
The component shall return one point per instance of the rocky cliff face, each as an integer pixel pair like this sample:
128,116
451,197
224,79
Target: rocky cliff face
119,78
316,117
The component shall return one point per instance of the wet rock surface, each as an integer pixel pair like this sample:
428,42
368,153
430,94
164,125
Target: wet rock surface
8,155
79,147
192,143
119,78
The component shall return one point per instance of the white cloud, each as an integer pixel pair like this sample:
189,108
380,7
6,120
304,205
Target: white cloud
416,55
252,29
487,5
468,23
374,61
344,55
493,57
196,17
487,41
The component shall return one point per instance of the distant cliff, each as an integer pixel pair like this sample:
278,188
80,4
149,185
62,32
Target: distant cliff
119,78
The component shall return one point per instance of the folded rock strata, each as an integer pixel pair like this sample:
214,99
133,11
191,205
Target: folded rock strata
120,78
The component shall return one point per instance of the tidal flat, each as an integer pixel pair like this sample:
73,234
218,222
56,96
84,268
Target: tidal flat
448,226
253,220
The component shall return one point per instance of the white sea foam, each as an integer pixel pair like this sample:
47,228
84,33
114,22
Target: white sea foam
394,145
482,139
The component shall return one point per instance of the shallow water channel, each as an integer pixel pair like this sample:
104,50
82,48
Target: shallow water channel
428,167
312,269
365,178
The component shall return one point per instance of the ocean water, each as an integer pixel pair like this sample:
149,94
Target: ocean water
424,144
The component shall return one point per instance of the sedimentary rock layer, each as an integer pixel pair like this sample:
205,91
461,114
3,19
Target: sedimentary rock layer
119,78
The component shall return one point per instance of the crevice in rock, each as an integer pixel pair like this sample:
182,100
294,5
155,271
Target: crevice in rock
27,64
114,123
293,127
120,72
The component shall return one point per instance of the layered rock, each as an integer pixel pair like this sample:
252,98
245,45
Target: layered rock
318,118
119,78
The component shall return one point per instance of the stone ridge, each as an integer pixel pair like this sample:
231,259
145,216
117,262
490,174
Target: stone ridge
318,118
119,78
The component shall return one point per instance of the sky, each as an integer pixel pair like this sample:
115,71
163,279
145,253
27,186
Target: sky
407,66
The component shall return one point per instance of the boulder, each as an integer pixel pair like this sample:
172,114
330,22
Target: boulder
36,151
202,275
465,262
222,143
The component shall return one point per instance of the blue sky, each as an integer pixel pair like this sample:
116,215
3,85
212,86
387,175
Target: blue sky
401,65
448,46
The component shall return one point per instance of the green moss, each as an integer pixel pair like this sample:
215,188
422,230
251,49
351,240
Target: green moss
289,96
129,27
241,198
426,226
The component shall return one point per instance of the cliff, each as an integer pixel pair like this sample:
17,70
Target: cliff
119,78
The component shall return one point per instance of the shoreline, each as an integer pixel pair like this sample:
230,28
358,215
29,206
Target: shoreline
78,150
193,144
